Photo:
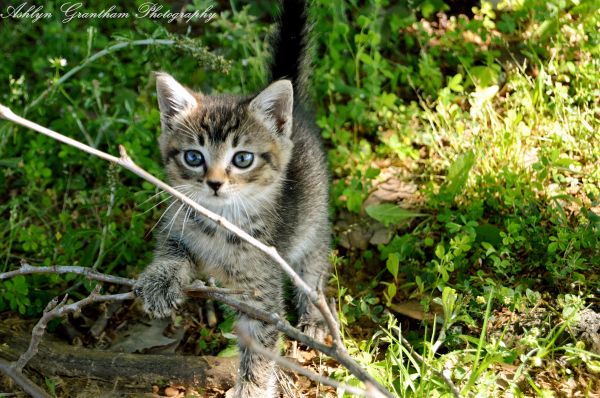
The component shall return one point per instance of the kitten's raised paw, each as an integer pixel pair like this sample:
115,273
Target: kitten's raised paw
161,296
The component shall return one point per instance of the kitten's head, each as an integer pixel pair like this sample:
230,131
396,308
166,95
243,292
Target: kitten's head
221,149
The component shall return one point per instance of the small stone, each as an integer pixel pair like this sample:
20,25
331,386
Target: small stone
172,392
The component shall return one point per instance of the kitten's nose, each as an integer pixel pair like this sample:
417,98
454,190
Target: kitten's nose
214,185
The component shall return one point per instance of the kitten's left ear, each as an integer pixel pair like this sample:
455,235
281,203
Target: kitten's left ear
172,96
274,105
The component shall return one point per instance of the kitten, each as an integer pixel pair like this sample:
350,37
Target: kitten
259,162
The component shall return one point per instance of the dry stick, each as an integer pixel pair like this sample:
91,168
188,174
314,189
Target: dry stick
27,269
23,381
286,363
125,161
197,288
56,309
87,61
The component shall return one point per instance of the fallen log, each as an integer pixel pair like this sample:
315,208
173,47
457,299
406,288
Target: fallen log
56,358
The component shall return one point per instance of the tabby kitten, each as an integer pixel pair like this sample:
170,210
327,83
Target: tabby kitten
259,162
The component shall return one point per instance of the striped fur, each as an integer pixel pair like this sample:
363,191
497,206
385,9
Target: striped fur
281,198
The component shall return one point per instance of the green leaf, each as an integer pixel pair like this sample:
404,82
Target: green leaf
439,251
488,247
403,246
372,172
391,293
533,297
484,76
388,213
393,264
454,83
230,351
458,173
546,29
10,162
488,233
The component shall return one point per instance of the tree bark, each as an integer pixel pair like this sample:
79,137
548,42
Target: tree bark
56,358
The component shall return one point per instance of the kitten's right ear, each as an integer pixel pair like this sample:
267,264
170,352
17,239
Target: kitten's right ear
172,96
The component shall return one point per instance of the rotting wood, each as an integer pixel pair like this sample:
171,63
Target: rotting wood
56,358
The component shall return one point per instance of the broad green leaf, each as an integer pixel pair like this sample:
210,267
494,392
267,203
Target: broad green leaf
393,263
488,233
439,251
391,293
388,213
403,246
484,76
458,173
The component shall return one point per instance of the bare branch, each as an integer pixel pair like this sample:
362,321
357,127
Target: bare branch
27,269
125,161
196,289
286,363
56,309
23,381
87,61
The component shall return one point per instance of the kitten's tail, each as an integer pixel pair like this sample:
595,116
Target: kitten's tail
290,45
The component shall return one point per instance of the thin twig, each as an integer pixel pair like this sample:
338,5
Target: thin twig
23,381
111,204
56,309
87,61
286,363
318,300
27,269
197,288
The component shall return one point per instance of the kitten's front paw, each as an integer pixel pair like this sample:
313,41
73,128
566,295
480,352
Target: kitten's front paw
160,294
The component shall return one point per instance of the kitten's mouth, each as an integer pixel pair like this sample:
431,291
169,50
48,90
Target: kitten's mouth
219,197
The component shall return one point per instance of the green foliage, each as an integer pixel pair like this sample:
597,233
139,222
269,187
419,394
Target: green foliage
493,115
17,290
506,156
458,173
389,214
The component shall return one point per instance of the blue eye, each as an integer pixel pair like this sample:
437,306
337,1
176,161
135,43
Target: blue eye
243,159
193,158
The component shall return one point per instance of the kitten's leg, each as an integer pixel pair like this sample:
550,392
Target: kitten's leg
314,270
257,377
161,284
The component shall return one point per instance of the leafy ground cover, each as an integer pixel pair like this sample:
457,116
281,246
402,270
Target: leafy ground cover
464,147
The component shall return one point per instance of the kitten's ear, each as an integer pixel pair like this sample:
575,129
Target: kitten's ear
172,96
274,105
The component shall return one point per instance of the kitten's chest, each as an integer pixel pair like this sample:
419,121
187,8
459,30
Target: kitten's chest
222,254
